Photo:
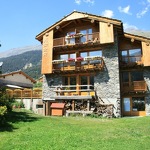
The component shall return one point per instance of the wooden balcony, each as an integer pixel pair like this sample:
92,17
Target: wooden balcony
79,66
74,92
135,86
75,41
26,93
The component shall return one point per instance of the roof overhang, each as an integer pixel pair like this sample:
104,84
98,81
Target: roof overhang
80,15
137,37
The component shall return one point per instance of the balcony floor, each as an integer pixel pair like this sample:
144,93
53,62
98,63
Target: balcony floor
76,97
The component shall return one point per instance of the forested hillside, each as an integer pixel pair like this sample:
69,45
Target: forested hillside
29,62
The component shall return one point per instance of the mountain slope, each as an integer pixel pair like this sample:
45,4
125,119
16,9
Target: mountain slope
29,62
17,51
138,32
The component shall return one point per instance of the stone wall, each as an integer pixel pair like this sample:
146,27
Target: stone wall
146,74
48,82
107,82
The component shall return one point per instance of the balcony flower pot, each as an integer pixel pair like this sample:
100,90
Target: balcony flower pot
58,61
71,59
79,58
74,35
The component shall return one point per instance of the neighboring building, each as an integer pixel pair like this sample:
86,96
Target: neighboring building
16,79
88,62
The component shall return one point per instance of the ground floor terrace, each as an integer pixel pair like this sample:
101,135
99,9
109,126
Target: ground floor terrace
82,101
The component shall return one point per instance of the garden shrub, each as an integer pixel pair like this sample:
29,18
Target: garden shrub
5,104
18,104
3,111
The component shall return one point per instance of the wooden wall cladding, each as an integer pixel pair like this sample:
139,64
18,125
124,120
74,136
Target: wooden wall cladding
146,53
47,53
106,33
126,44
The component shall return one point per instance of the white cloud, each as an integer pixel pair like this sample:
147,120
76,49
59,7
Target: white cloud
144,11
78,2
108,13
125,9
128,26
89,1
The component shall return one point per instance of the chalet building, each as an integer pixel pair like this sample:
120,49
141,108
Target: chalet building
90,64
16,80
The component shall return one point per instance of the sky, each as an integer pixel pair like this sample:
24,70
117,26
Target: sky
22,20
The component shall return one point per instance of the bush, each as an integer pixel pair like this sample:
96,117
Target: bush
5,104
3,111
18,104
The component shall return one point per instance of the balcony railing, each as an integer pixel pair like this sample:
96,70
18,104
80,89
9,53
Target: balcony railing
26,93
131,61
135,86
74,90
85,64
76,39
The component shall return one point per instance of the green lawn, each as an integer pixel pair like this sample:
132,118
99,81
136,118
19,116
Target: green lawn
27,131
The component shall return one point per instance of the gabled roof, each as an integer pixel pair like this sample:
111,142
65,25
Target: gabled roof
18,72
57,105
137,37
79,15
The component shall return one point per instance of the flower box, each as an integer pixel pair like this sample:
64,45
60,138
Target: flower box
79,58
58,61
88,58
71,59
74,35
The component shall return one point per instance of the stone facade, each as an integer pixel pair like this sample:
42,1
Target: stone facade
146,74
48,82
107,82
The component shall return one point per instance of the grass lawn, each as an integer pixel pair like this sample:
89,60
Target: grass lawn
27,131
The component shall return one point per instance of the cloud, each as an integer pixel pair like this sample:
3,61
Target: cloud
144,11
89,1
128,26
108,13
78,2
125,9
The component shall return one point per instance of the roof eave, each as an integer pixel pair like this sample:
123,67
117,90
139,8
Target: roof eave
116,22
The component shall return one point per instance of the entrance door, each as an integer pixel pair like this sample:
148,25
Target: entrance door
134,106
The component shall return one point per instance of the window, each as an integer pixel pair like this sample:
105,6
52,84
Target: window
87,80
71,80
132,55
126,104
91,53
125,77
132,76
137,76
66,57
70,39
87,35
138,104
95,53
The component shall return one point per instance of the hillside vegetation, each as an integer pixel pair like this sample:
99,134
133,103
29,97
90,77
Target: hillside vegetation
29,62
